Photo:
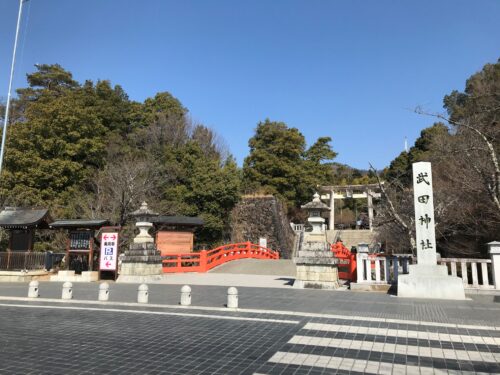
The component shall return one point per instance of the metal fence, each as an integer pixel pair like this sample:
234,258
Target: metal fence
29,261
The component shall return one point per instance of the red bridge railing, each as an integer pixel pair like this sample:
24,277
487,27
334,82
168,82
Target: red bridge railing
347,271
207,259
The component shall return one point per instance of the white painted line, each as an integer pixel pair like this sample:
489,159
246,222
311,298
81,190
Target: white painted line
349,364
145,312
472,355
257,311
401,333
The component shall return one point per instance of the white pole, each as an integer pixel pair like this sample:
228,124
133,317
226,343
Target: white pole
6,119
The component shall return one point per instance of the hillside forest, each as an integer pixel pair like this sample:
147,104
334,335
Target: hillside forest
85,150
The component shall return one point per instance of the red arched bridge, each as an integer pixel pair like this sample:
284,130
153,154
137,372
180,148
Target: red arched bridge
205,260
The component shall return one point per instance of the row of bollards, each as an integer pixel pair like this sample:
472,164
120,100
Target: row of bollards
142,293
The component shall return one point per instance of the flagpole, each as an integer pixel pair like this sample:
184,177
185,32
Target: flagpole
6,118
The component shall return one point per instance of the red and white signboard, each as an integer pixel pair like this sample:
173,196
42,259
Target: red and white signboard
109,252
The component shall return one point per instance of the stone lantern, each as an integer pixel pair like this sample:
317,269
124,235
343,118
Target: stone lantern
143,216
142,261
315,208
363,248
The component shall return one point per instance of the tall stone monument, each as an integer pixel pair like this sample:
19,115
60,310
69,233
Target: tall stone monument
142,262
316,266
427,279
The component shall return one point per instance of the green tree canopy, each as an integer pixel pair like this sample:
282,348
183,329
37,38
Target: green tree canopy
279,162
86,150
401,167
204,186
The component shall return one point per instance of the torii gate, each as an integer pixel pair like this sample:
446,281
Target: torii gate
368,191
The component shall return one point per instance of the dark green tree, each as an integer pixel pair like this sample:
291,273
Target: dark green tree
400,168
279,163
204,186
59,137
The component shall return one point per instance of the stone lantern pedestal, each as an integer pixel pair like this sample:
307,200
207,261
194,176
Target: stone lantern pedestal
142,262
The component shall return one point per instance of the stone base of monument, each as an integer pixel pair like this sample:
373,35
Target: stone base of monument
141,263
427,281
319,276
316,267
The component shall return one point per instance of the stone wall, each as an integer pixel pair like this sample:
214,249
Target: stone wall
263,216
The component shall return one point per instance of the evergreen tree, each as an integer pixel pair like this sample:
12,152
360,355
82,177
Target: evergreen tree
279,163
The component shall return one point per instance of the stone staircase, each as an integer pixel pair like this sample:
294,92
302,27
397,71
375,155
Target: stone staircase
351,237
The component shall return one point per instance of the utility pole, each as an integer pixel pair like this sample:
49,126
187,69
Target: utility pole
6,119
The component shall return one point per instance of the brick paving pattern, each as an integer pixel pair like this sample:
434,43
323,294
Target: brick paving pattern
309,332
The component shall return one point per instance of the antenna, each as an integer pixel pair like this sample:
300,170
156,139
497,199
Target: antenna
406,144
6,119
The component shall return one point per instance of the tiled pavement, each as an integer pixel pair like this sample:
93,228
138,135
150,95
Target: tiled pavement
478,310
389,348
45,337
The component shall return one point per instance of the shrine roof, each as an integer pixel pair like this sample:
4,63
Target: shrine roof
23,218
79,223
178,220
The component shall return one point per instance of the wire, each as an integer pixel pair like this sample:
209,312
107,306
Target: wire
7,106
25,32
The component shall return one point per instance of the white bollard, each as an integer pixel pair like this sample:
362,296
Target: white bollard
103,292
186,295
142,294
33,289
232,298
67,290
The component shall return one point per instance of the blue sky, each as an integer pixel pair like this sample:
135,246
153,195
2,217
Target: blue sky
351,70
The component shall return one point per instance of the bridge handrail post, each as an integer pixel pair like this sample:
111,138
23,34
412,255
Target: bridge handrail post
353,267
203,261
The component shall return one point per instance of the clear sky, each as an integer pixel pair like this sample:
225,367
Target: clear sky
351,70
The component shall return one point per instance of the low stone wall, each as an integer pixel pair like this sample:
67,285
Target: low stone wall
85,276
22,276
263,217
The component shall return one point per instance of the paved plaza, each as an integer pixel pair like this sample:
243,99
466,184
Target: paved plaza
275,331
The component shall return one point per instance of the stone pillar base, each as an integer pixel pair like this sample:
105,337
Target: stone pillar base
141,263
317,276
301,284
141,269
134,279
430,282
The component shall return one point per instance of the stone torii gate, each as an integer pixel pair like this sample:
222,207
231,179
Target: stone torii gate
368,191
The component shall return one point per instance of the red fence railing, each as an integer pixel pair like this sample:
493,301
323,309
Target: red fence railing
207,259
347,269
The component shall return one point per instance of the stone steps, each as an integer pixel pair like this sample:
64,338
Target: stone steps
351,237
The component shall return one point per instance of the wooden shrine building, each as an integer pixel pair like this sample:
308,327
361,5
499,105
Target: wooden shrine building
175,234
82,246
21,223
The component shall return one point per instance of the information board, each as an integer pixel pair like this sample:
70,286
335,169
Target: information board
109,252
